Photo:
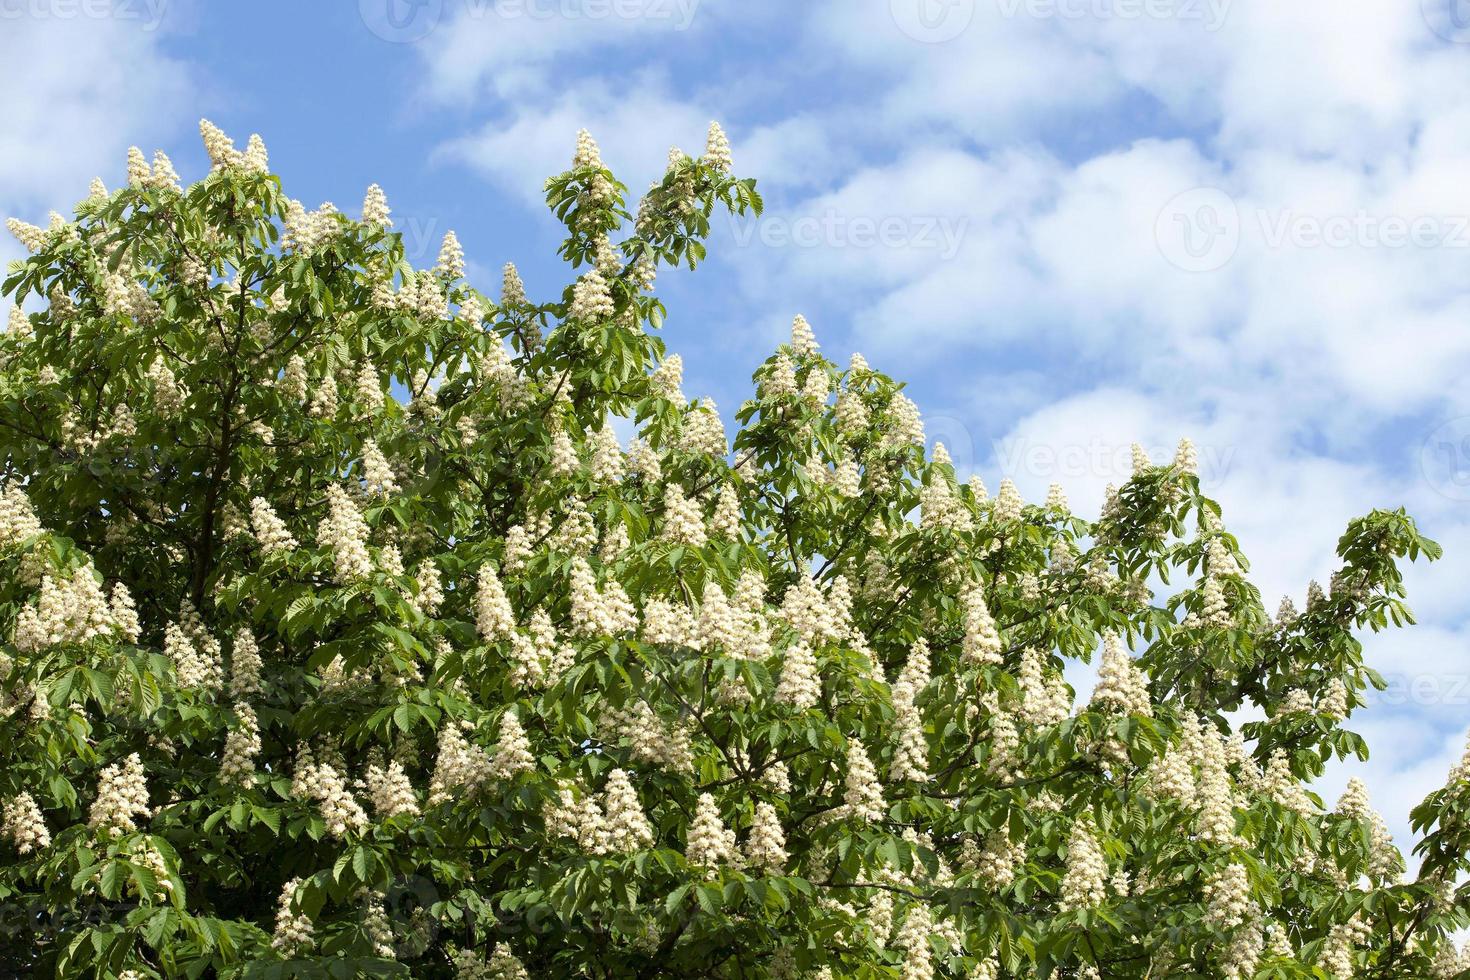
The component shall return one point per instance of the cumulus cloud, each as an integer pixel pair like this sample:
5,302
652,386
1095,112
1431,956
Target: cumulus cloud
81,89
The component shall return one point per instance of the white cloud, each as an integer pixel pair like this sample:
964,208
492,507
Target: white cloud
518,48
534,142
79,91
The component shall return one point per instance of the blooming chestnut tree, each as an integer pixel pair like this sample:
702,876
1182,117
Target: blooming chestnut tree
344,635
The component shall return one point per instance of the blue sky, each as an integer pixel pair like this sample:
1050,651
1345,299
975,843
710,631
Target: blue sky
1069,224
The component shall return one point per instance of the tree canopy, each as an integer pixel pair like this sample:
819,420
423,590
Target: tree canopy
357,623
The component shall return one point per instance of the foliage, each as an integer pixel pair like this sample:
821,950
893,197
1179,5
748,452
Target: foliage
430,675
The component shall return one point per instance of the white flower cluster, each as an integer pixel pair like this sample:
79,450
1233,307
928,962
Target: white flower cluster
1337,950
608,465
1228,897
29,235
377,472
940,508
563,460
270,531
710,842
245,665
1121,687
18,521
293,934
375,207
1282,786
1209,792
1334,704
512,290
458,766
345,532
913,939
196,658
591,299
1045,698
998,862
627,826
608,612
242,744
122,798
717,149
725,521
150,857
305,231
1084,884
493,615
648,738
903,426
23,825
450,264
778,379
815,617
512,753
667,378
862,796
1008,503
71,610
339,808
390,791
765,847
376,924
1385,861
324,400
703,430
502,965
982,640
911,756
124,296
534,653
577,815
801,683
